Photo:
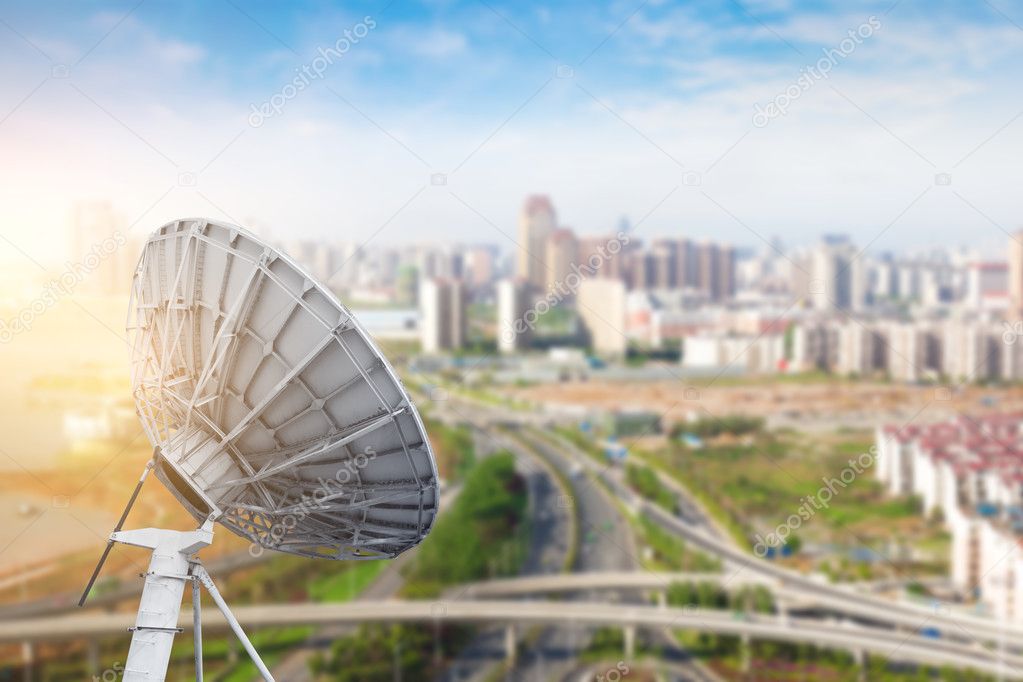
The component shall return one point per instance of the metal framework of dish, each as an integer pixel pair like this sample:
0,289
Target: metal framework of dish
268,405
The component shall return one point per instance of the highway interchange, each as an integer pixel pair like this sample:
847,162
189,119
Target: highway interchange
612,590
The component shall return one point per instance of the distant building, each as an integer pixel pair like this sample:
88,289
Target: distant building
971,351
594,252
715,270
837,278
987,285
442,306
914,351
562,253
480,265
763,354
883,281
102,251
663,268
601,307
513,326
724,284
970,469
708,265
814,346
1016,273
537,221
861,350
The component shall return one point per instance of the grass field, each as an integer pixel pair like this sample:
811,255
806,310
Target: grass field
756,484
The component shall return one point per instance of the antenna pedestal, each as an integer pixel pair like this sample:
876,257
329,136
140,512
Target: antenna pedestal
157,620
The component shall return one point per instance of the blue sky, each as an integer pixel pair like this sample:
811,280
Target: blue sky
637,108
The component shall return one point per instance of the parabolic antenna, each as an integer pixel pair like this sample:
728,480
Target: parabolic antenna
268,405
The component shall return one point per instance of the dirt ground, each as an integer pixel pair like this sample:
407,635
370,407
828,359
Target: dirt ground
819,404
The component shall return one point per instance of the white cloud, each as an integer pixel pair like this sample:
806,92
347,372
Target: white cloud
433,43
175,52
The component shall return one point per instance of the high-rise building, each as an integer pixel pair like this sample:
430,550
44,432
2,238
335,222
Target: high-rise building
442,308
686,265
480,267
986,284
562,252
860,350
724,283
595,253
514,328
1016,273
914,351
664,264
601,307
640,269
837,278
708,269
99,242
537,221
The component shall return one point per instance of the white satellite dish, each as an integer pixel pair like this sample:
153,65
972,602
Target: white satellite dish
270,410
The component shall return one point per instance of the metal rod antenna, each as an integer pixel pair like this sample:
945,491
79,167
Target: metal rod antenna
197,628
117,528
200,572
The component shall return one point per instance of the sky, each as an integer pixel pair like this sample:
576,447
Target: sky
402,121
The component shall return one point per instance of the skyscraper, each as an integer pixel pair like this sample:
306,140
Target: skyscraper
513,329
442,315
837,278
99,239
664,266
724,284
536,223
685,264
601,306
596,254
562,253
479,261
708,269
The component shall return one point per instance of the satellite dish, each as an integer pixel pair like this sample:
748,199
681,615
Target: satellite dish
268,404
270,410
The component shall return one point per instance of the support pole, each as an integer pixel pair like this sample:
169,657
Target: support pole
28,656
629,632
197,628
157,620
783,611
236,627
510,644
92,654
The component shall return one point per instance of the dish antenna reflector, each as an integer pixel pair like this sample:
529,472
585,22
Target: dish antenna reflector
269,408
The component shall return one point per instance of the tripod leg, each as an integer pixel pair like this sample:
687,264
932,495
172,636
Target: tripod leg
207,582
197,629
